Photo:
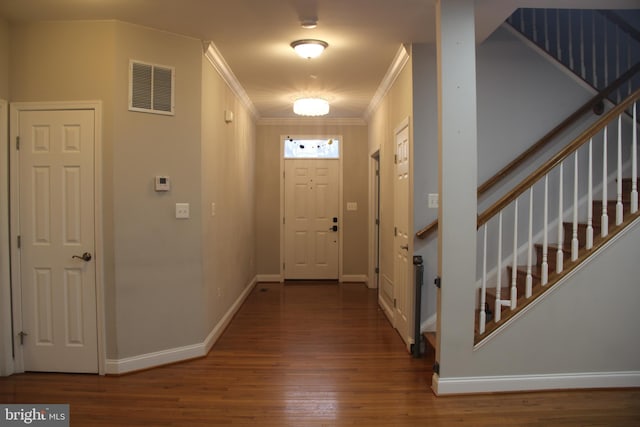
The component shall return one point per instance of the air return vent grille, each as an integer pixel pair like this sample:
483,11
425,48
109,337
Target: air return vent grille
151,88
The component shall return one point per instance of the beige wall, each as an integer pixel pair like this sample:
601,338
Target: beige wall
228,152
395,107
157,259
355,164
167,281
4,59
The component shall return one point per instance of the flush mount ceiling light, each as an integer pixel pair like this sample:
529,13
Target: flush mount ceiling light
311,107
309,48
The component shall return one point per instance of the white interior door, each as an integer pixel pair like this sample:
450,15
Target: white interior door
56,215
402,263
311,213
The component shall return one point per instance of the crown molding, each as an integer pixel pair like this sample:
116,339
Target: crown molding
400,60
215,57
310,121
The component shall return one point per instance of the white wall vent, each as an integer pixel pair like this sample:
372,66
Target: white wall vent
151,88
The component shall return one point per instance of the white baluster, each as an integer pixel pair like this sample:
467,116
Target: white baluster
619,206
604,224
593,49
545,241
589,242
559,253
483,290
546,30
629,41
498,304
514,271
634,163
558,48
529,283
570,35
606,52
574,236
618,60
534,20
583,70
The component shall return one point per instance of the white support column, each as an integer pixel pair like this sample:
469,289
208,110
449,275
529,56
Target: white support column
457,133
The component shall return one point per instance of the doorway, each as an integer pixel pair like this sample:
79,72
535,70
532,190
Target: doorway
55,230
311,207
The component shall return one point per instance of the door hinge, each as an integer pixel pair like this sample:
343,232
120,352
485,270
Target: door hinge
18,143
283,221
283,266
395,159
438,282
377,270
377,221
395,303
22,334
19,242
395,231
436,368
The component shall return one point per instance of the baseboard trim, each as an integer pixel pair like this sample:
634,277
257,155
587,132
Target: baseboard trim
179,354
470,385
361,278
269,278
430,324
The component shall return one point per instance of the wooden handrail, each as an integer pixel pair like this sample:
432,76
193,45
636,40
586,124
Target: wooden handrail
544,141
557,159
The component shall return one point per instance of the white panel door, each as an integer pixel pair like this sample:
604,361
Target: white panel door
56,180
403,263
311,204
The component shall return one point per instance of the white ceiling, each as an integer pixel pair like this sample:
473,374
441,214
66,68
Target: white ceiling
253,36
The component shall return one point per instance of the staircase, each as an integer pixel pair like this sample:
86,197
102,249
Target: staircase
559,208
562,201
568,264
573,196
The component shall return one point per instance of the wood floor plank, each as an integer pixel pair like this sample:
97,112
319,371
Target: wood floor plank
308,355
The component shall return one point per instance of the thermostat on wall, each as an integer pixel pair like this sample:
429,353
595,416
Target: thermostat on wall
162,183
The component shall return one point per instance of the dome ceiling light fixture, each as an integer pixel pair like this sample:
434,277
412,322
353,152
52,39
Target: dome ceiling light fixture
309,48
311,107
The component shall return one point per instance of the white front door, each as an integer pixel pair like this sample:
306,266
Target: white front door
311,218
56,227
402,263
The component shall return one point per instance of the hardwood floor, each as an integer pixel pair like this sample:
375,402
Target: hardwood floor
308,355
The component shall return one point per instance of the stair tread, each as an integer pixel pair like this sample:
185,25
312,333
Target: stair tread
430,337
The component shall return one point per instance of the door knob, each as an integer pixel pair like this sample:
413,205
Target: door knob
334,228
405,247
86,257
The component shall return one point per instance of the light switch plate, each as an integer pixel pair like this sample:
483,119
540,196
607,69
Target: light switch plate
352,206
433,200
182,211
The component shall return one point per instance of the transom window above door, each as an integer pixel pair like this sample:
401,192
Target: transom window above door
320,148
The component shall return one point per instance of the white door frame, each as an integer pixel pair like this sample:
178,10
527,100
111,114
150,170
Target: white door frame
16,109
374,214
282,207
6,351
